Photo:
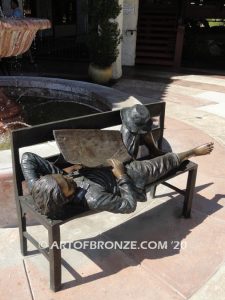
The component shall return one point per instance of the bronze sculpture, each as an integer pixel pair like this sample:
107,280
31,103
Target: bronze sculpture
116,188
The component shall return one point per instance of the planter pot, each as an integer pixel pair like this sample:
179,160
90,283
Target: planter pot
98,74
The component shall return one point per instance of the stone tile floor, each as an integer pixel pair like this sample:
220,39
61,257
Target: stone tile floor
191,264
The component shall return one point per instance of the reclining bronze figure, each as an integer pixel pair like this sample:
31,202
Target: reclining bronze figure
116,187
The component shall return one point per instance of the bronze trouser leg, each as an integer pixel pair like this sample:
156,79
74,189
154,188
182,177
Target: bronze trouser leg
148,171
153,191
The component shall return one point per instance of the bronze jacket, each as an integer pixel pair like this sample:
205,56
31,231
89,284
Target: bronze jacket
102,190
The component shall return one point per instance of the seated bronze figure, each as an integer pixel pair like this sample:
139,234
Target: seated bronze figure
116,187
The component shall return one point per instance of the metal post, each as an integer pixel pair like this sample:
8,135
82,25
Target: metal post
54,258
189,192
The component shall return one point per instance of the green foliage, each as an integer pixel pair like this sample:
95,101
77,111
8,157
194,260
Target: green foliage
104,34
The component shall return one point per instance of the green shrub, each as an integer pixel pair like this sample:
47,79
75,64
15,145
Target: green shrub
104,34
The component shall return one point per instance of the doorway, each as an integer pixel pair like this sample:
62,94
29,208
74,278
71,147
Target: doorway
156,34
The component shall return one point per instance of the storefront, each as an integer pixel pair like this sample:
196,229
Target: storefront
165,33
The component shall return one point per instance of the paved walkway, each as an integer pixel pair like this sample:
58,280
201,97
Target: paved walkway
197,100
186,257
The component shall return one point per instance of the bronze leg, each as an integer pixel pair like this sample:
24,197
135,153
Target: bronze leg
22,229
54,257
189,192
153,191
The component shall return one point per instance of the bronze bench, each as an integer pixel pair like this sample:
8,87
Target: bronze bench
43,133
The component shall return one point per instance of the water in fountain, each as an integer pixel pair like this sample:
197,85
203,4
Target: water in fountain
9,109
10,118
20,107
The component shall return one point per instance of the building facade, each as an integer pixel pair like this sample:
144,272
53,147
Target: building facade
154,32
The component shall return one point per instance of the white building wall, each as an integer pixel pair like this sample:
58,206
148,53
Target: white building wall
130,18
117,65
128,26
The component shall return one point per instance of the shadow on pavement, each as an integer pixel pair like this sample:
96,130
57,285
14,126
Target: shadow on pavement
162,226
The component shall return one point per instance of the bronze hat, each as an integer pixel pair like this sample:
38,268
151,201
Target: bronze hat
136,118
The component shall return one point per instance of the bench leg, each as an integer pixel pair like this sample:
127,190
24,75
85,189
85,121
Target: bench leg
153,191
54,258
189,193
22,229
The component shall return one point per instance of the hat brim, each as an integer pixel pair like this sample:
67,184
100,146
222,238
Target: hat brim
124,114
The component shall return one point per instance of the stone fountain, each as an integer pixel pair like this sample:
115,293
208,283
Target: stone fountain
16,37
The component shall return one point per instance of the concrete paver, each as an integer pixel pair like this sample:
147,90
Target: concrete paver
13,283
189,99
96,274
184,269
8,216
13,277
214,288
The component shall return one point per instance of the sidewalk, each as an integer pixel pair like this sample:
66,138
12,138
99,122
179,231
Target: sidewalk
191,265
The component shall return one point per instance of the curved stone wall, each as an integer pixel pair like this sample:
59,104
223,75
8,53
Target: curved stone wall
108,97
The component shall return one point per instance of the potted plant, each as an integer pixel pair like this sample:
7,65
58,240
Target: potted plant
104,38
